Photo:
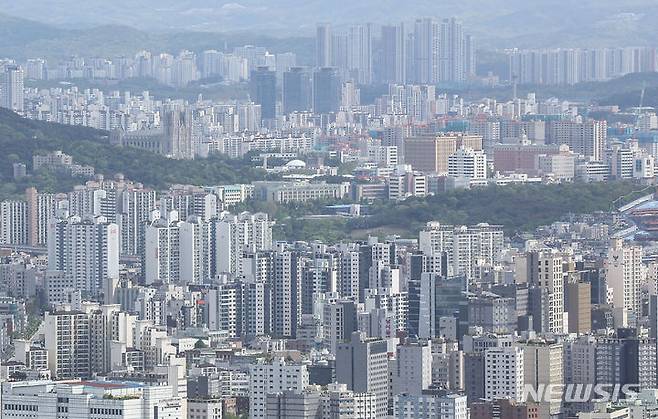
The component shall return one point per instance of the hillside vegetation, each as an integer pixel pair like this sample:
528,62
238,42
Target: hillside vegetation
21,138
518,208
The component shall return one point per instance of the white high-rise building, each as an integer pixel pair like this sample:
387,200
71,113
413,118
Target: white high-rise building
319,275
195,251
504,373
468,163
339,402
644,166
91,340
543,365
413,364
285,284
234,68
359,53
489,130
570,66
425,52
386,155
350,95
11,88
67,340
41,210
13,222
223,313
587,138
239,309
435,241
465,248
162,249
625,275
88,202
237,234
86,250
184,70
135,206
338,319
36,69
211,63
348,276
255,313
451,51
545,271
276,377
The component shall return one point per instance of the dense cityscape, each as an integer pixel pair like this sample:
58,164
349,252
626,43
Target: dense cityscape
390,221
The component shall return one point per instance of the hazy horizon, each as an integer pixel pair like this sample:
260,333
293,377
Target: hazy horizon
502,23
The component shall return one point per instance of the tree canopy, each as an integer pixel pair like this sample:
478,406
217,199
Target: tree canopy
21,138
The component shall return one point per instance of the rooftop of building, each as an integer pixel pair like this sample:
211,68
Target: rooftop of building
106,385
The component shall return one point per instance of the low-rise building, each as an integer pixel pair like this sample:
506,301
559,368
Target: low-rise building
90,400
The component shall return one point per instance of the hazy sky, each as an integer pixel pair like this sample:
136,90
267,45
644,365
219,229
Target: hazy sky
561,20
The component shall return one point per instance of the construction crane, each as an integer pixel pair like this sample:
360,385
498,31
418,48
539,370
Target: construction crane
638,112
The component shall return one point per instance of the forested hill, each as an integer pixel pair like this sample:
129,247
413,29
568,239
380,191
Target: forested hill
519,208
21,138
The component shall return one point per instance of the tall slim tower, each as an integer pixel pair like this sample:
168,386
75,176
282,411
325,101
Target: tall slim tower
323,45
393,54
161,256
451,56
285,283
546,276
11,88
470,62
32,200
359,53
625,275
426,51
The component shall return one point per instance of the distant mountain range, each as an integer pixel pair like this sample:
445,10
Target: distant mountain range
503,23
22,38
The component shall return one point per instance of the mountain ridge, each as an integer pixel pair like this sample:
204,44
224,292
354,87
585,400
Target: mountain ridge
25,38
505,22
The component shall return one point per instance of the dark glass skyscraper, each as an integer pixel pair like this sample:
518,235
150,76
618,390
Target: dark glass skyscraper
326,90
297,91
393,56
263,91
